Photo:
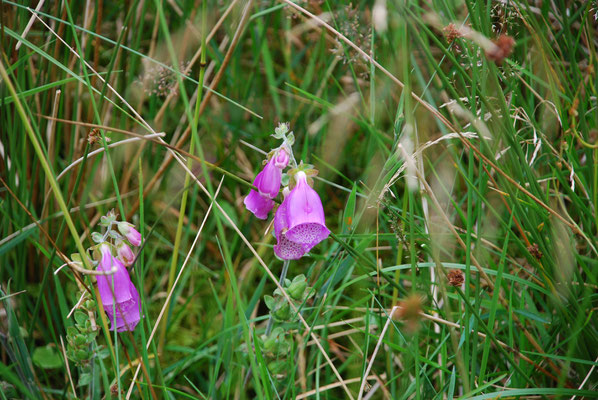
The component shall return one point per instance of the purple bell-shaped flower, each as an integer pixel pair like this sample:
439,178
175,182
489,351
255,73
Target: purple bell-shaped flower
299,222
284,248
259,205
305,214
119,296
268,181
268,184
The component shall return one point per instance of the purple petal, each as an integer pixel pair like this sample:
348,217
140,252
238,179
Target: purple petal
288,250
125,254
258,205
309,234
134,237
113,288
284,248
281,159
268,181
305,215
280,219
128,230
129,315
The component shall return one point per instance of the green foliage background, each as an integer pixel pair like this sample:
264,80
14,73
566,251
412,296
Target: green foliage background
433,158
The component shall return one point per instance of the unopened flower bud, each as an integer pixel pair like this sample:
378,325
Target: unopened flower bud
128,231
283,313
297,289
281,158
124,253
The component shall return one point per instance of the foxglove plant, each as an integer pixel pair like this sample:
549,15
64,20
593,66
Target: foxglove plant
302,217
118,295
299,222
285,248
299,225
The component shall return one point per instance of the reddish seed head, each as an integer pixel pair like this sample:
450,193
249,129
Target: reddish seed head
455,277
451,33
408,310
534,250
503,48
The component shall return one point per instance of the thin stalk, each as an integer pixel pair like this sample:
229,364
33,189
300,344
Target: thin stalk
283,275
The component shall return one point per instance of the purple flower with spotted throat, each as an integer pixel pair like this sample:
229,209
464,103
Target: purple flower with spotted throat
299,223
268,184
119,296
284,248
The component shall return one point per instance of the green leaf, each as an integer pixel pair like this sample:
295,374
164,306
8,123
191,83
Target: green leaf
533,316
84,379
103,353
47,357
80,340
349,213
80,317
81,355
97,237
270,302
71,331
16,240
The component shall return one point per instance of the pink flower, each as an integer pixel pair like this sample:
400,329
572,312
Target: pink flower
119,296
281,158
124,253
258,205
268,180
299,223
284,248
128,231
268,184
305,216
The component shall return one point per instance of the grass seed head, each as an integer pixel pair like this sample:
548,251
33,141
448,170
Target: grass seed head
455,277
503,49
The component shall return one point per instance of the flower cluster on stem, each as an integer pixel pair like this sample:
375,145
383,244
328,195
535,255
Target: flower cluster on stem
299,222
118,294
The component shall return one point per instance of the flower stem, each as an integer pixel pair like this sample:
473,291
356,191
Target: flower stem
283,275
